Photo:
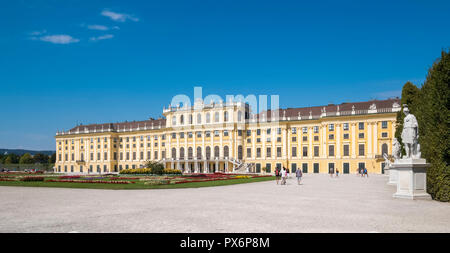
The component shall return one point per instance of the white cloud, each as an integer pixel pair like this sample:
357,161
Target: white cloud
58,39
98,27
103,37
119,17
37,33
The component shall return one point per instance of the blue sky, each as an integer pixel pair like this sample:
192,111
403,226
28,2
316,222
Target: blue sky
63,62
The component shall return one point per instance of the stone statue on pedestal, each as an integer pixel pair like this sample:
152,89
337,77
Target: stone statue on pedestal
410,134
396,149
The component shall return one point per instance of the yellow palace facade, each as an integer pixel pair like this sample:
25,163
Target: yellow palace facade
227,137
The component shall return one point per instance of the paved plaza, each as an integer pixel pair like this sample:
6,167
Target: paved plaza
321,204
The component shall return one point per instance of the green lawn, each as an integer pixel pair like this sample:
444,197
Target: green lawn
137,185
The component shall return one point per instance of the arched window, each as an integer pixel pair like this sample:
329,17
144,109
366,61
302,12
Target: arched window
225,116
384,149
239,116
174,153
208,118
174,120
226,152
199,152
216,117
216,151
191,121
190,153
199,118
182,153
208,152
240,152
182,120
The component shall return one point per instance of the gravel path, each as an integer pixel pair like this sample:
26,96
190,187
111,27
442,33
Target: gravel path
320,204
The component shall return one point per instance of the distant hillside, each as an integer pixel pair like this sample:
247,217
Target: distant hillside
23,151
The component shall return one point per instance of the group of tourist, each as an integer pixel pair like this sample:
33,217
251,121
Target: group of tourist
362,172
283,174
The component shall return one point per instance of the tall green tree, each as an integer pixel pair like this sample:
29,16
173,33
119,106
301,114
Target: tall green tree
40,158
434,127
410,97
52,158
12,159
26,159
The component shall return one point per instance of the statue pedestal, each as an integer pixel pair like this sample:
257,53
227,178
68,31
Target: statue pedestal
411,178
393,176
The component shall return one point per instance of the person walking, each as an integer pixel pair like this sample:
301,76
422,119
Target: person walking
365,172
299,175
283,176
277,174
337,172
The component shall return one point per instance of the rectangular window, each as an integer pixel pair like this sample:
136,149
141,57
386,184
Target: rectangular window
384,135
279,131
105,155
294,139
278,151
305,168
346,150
249,133
346,136
98,156
305,138
199,134
258,152
258,140
361,125
149,155
128,156
258,131
294,130
268,152
278,139
316,138
305,130
345,126
134,155
331,127
155,155
225,133
293,167
216,133
121,156
316,151
305,151
316,168
141,156
249,152
239,132
331,136
361,150
331,150
384,124
268,167
361,135
294,151
316,129
268,131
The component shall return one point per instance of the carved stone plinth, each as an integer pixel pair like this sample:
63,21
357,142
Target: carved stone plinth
411,178
393,176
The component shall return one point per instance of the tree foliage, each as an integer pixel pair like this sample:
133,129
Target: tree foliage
155,167
26,159
434,122
430,104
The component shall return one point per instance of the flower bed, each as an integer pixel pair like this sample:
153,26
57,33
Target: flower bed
90,181
68,177
7,179
32,179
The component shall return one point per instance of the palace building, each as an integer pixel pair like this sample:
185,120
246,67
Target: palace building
227,137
